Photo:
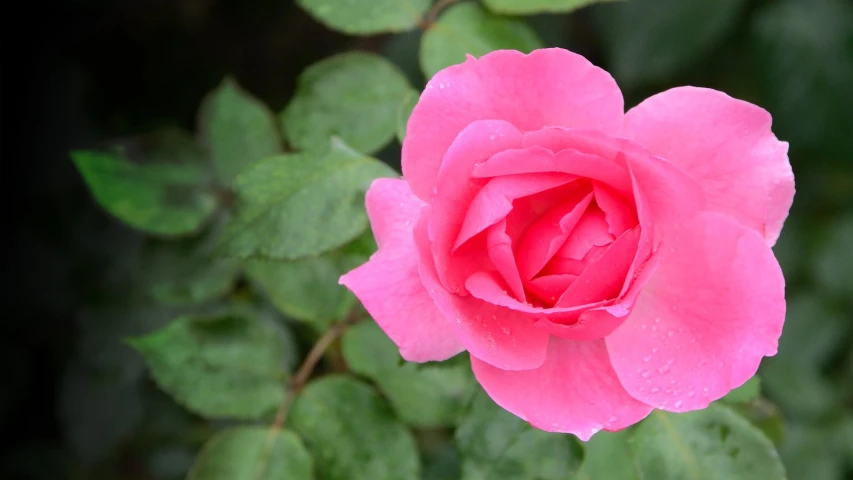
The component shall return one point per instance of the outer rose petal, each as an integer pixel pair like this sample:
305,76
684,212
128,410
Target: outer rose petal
496,335
389,284
701,325
575,391
547,87
724,143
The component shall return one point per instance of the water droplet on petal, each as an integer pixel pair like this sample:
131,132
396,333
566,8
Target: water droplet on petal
678,404
647,358
654,390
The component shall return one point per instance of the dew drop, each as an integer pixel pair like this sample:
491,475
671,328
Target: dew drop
670,334
657,319
654,390
491,137
647,358
645,374
678,404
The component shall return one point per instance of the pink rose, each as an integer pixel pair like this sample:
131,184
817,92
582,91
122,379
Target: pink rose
595,264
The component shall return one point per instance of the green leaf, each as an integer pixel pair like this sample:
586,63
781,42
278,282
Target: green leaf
253,453
496,445
300,205
227,366
468,29
607,456
237,129
745,393
803,50
354,96
404,111
527,7
429,395
709,444
648,40
308,289
185,272
367,18
351,432
156,197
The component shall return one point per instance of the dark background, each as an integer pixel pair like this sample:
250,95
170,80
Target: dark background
76,74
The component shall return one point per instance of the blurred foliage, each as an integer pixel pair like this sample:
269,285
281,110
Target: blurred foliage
190,312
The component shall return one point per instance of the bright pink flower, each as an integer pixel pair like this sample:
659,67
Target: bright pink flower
595,264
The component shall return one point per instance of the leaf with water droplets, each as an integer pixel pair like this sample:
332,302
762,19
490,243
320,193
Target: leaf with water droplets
710,444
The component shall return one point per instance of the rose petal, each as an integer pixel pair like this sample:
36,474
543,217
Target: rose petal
496,335
727,145
547,87
542,239
549,288
489,287
494,201
455,189
620,215
538,159
705,319
503,258
591,231
603,278
575,391
389,284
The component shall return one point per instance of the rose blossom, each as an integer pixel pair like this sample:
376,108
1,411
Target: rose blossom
595,264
